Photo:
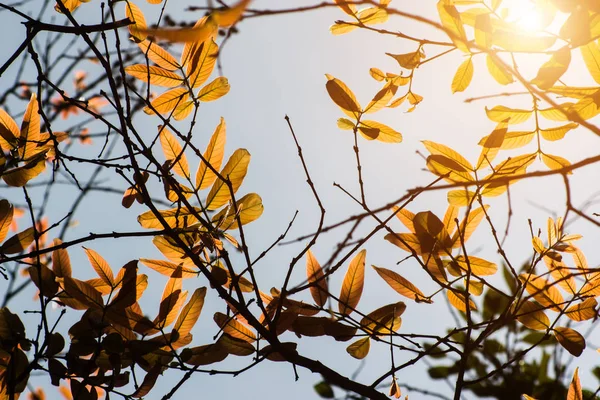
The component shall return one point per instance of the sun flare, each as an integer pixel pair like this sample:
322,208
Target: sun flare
526,15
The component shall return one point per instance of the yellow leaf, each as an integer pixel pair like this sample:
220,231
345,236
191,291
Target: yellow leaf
30,129
214,155
9,131
449,169
575,392
343,97
168,101
373,16
492,145
463,76
450,219
553,69
451,21
173,151
405,216
377,74
582,311
478,266
250,208
376,130
437,148
576,92
360,348
234,328
202,62
543,291
172,251
100,266
345,124
21,175
176,218
498,71
231,15
384,320
154,75
514,116
521,42
349,9
315,275
83,292
555,114
169,300
406,241
158,55
183,110
6,217
353,283
401,285
61,264
538,245
19,242
342,27
235,171
587,107
460,197
214,90
558,132
532,316
408,60
138,28
513,140
457,300
167,268
199,33
570,339
380,100
468,226
555,162
591,57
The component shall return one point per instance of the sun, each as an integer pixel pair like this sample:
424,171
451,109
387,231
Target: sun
525,15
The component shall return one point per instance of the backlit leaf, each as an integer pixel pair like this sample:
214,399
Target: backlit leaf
582,311
343,97
360,348
167,268
6,217
136,15
521,42
235,170
214,155
499,72
558,132
375,130
100,266
158,55
202,63
437,148
175,218
190,312
457,300
250,208
353,283
83,292
384,320
173,151
30,129
168,101
570,339
460,197
199,33
575,392
543,291
451,21
401,285
514,116
555,162
553,69
478,266
463,76
19,242
154,75
234,328
591,57
532,316
468,226
315,274
231,15
214,90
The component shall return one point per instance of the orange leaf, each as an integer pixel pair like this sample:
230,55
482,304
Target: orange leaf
353,283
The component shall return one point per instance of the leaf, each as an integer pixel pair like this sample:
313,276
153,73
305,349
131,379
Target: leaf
318,288
147,384
461,197
199,33
342,27
377,74
343,97
401,285
231,15
190,313
173,151
591,57
380,100
375,130
532,316
169,300
214,90
234,328
154,75
158,55
575,392
360,348
582,311
405,216
30,129
19,242
521,42
204,355
172,251
136,15
9,131
18,177
492,144
570,339
175,218
100,266
468,226
249,209
406,241
457,300
235,170
83,292
478,266
451,21
440,149
514,116
202,63
373,16
214,155
353,283
6,216
235,346
167,268
408,60
384,320
543,291
346,7
168,101
498,71
61,264
555,162
553,69
463,76
558,132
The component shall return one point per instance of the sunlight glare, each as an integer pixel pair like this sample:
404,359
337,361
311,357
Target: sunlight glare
526,15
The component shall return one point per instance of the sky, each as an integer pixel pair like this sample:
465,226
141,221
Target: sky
276,66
